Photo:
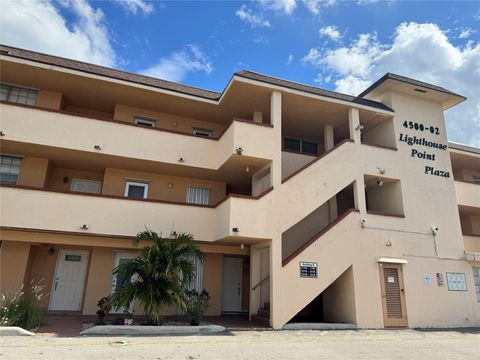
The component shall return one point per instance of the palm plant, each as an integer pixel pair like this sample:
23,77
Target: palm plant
159,274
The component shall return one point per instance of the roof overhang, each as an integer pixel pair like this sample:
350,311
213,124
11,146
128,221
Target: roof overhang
392,82
391,260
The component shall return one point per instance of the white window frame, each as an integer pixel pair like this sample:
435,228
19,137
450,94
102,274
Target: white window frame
136,183
89,181
202,132
145,121
21,163
476,281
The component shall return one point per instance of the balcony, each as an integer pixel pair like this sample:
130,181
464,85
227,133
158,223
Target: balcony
38,209
55,129
472,243
468,193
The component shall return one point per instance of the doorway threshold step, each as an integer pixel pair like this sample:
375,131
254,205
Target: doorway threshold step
319,326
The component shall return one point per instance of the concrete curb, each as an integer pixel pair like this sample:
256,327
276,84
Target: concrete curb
14,331
151,330
319,326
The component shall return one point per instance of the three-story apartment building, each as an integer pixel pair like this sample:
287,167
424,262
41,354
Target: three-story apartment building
309,204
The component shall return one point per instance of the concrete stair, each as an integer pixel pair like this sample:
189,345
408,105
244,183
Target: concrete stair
263,315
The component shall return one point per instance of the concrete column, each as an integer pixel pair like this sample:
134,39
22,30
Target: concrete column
328,137
353,123
359,195
257,116
13,265
329,144
276,120
255,273
34,172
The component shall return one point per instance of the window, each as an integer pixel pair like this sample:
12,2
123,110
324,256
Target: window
291,144
87,186
198,195
303,146
309,147
9,169
476,281
202,132
144,121
197,281
476,179
136,190
18,94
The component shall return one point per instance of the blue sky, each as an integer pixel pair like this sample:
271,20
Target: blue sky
337,45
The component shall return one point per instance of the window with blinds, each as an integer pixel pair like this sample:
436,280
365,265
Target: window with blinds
197,282
18,94
476,281
198,195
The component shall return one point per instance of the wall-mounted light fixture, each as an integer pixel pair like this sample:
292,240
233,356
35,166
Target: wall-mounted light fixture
239,150
51,251
380,182
174,124
242,246
2,133
247,168
360,127
84,227
65,179
235,230
98,147
381,170
388,243
434,230
181,160
170,185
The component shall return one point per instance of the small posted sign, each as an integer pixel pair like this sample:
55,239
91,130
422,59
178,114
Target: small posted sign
427,279
308,269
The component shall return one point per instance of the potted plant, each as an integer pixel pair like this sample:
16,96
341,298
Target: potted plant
196,305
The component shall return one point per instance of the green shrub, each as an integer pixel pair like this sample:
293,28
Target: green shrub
22,309
196,305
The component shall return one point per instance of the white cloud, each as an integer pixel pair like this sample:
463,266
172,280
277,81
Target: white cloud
289,59
177,65
366,2
132,6
466,33
254,20
39,26
261,40
288,6
331,32
285,6
419,51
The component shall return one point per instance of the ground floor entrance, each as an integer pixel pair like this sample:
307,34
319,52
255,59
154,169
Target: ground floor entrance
393,295
69,279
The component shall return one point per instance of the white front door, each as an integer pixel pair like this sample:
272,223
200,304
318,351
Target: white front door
121,257
69,279
86,186
232,284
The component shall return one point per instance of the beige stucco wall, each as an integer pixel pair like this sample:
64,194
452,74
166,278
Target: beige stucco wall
50,100
386,199
33,171
56,176
166,121
13,265
42,269
115,180
383,134
339,300
291,162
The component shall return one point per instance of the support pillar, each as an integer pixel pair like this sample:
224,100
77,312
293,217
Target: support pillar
359,195
13,265
353,124
329,141
257,117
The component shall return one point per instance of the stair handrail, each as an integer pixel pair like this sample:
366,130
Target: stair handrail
261,281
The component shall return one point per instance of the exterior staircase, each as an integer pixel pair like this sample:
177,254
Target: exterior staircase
263,315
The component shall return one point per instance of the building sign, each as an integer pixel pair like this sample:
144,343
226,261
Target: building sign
456,282
440,280
421,148
427,279
308,269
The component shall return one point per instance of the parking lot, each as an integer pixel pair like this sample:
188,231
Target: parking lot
361,344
